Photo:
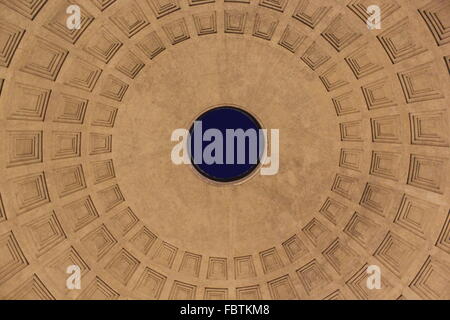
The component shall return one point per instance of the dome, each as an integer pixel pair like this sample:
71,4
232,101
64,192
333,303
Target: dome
86,177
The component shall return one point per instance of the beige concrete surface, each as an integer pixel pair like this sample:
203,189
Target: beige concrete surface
86,177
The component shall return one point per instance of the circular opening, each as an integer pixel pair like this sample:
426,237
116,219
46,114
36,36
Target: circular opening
226,144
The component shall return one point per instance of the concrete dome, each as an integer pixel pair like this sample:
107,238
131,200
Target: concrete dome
86,178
